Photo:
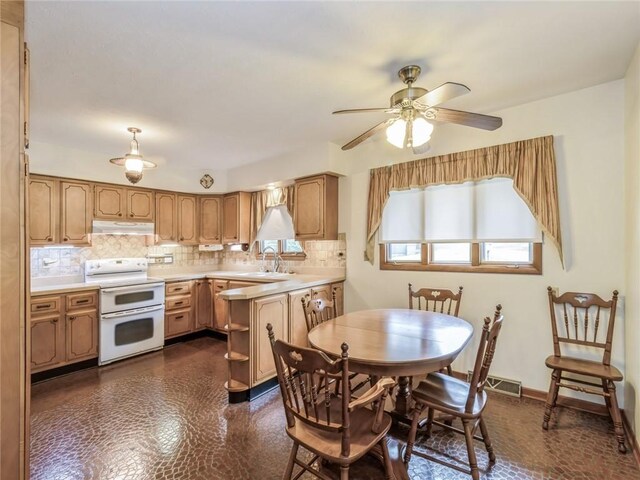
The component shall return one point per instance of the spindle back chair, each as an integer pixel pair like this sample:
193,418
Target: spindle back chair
436,300
318,310
584,320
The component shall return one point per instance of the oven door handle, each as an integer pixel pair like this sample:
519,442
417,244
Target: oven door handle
132,312
130,288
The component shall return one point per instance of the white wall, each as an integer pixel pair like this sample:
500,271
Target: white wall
632,237
588,129
50,159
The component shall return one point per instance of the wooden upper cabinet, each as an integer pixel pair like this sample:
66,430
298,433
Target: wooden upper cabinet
315,214
110,202
236,217
76,213
140,205
210,220
166,217
188,220
43,211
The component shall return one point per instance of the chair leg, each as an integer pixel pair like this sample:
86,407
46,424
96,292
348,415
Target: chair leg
487,441
430,414
388,468
473,462
417,409
607,399
551,398
616,417
292,458
449,371
344,472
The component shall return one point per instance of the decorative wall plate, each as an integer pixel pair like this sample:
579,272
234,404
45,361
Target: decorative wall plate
206,181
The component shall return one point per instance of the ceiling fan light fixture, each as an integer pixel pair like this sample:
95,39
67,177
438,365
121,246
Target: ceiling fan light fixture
396,133
133,162
420,132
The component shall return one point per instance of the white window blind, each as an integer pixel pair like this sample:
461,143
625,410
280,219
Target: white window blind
487,210
403,217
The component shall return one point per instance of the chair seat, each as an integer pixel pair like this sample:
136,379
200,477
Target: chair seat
584,367
329,444
448,394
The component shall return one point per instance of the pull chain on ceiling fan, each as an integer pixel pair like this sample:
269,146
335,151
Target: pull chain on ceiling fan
413,110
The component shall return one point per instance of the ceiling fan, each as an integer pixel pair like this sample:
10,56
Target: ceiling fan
412,106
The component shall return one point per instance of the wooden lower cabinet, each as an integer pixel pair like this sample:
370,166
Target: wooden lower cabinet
178,322
297,324
273,310
47,342
81,335
204,304
219,305
64,329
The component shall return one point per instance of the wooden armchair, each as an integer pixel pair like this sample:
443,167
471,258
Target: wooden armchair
437,300
459,399
586,321
331,427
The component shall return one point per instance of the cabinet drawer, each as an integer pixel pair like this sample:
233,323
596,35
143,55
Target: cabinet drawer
178,322
182,301
42,305
178,288
82,300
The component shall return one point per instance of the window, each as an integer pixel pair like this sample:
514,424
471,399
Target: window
475,226
285,248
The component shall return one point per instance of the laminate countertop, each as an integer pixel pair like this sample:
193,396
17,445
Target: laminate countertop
270,283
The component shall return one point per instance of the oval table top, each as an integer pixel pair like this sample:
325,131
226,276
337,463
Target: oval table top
396,342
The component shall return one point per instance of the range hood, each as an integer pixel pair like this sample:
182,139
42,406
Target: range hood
103,227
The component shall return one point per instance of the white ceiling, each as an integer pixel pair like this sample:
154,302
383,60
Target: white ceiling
216,85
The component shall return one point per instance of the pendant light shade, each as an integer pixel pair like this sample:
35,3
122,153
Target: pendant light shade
409,133
133,162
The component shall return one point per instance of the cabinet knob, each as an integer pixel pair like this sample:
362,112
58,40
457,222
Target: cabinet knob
131,214
181,238
49,239
72,318
65,239
120,214
54,320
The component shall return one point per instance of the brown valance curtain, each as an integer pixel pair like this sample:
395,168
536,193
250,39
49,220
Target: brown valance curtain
264,199
530,163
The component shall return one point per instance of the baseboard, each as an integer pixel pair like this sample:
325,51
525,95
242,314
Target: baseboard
632,441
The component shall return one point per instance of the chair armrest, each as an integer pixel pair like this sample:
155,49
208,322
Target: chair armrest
373,393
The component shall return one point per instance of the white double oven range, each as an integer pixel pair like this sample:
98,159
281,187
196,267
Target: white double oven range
131,307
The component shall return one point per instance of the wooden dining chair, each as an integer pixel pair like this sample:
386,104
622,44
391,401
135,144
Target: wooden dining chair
332,427
459,399
586,320
318,310
437,300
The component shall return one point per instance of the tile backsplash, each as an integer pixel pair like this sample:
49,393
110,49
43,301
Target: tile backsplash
52,261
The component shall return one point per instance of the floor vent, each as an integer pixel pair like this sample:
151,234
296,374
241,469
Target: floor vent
501,385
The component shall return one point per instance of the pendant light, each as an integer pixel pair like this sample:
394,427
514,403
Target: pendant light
410,131
133,162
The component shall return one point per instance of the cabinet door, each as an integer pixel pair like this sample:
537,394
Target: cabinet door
47,342
110,202
82,335
140,205
204,304
339,289
309,208
43,211
271,310
230,220
166,217
187,220
210,220
76,213
219,305
297,324
178,322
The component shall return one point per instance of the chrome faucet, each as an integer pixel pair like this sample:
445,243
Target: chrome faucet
276,262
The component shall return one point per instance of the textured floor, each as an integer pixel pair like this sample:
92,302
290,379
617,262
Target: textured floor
165,416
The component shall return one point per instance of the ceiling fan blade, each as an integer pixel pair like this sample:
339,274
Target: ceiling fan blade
369,133
441,94
476,120
368,110
424,148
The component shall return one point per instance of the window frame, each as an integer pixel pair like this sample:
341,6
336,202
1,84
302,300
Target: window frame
476,266
284,255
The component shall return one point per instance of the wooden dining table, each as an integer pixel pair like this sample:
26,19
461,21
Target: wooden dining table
394,342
